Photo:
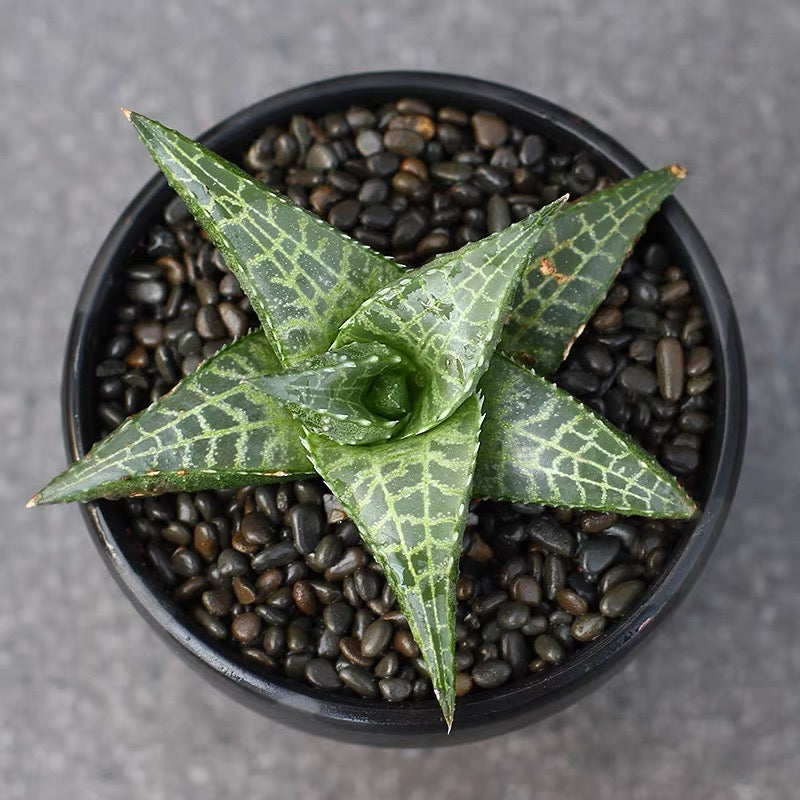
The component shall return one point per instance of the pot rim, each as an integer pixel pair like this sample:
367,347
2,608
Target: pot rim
487,712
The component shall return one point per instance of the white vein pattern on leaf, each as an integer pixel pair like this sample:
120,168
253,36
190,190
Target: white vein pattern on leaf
446,391
193,389
557,299
435,447
299,302
544,469
612,212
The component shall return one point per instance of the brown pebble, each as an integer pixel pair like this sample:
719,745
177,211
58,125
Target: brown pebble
432,244
669,368
350,648
414,105
259,656
464,587
353,559
403,142
267,582
597,521
409,184
138,358
616,601
419,123
305,598
217,601
655,561
238,542
244,590
617,574
571,602
607,318
699,361
455,116
642,350
673,273
404,643
148,332
588,626
463,684
618,295
322,199
397,618
548,648
206,540
489,130
207,291
563,514
234,319
699,384
478,549
692,333
415,166
672,292
176,533
174,271
208,323
246,627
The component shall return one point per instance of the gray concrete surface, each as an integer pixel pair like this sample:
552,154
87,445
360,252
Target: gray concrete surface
92,704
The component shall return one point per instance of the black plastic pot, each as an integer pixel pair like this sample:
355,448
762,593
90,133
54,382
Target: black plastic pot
485,713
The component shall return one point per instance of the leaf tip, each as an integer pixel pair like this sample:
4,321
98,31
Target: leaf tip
127,112
34,501
678,170
448,711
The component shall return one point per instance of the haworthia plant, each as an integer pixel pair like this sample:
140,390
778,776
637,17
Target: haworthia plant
372,373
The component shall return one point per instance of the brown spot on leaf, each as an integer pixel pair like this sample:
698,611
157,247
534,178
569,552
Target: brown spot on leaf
548,269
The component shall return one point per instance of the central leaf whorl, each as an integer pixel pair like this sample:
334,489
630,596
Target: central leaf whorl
355,394
446,318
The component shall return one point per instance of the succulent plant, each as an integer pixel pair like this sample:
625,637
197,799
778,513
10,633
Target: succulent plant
408,391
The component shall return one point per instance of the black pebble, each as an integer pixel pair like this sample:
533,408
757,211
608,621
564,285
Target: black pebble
597,553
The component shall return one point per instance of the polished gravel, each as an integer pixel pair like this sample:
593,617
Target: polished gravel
94,704
336,609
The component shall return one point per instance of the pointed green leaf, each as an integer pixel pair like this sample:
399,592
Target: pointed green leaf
329,393
574,264
409,498
511,450
540,445
215,430
304,278
446,318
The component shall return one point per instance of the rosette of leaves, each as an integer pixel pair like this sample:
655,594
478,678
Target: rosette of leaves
408,391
